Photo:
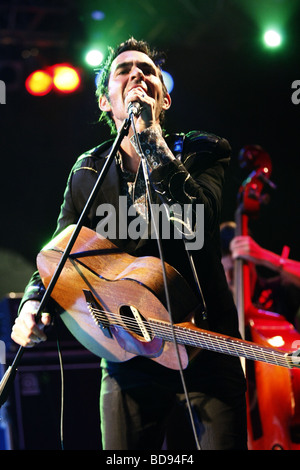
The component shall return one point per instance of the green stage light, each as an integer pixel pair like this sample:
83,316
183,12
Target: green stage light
94,57
272,38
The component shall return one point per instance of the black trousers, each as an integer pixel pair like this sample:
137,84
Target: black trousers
150,416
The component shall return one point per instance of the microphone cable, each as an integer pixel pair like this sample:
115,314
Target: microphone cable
62,385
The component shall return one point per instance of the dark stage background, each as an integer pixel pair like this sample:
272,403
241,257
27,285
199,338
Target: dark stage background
226,82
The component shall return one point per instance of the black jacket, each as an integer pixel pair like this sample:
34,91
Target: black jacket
197,174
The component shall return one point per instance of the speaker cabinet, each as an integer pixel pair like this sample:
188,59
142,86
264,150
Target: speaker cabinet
35,407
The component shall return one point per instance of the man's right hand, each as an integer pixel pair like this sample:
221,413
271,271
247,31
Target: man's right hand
26,332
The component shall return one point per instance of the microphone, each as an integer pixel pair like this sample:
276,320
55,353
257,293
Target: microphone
135,108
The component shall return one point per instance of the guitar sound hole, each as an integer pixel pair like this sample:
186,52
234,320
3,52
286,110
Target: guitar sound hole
135,322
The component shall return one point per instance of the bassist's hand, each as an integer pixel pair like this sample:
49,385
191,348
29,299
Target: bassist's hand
26,332
246,248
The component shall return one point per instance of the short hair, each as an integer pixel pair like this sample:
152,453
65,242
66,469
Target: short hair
227,233
131,44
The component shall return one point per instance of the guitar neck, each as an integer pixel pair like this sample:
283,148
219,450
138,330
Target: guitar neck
190,335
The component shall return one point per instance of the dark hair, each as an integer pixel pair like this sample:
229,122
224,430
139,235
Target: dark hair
227,233
129,45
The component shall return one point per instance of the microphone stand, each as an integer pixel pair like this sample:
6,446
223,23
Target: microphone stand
8,377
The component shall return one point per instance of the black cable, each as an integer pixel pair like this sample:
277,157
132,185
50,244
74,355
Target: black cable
62,383
62,395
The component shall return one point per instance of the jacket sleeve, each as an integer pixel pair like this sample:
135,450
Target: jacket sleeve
196,177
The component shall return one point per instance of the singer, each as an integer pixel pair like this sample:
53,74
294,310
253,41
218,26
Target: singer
144,405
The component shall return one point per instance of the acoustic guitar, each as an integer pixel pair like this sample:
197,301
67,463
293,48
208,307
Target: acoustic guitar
114,305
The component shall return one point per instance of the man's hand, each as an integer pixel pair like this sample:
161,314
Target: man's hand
26,332
147,117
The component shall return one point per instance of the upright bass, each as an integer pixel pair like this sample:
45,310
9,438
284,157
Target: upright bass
273,393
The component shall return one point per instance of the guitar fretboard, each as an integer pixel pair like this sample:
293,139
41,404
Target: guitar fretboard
199,338
219,343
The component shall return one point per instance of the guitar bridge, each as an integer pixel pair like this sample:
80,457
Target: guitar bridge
98,313
140,323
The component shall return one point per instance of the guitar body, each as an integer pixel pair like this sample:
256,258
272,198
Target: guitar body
116,282
114,304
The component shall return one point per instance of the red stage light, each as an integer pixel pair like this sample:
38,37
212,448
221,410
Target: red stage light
65,78
39,83
62,77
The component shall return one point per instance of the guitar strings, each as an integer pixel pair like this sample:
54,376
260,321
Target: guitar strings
185,333
207,341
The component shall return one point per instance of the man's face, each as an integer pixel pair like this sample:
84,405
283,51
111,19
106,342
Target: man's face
134,77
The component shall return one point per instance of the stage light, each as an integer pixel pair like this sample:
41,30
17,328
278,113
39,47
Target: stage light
98,77
98,15
272,38
94,57
168,80
39,83
65,78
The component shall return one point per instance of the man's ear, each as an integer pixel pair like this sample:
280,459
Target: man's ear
104,104
167,101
